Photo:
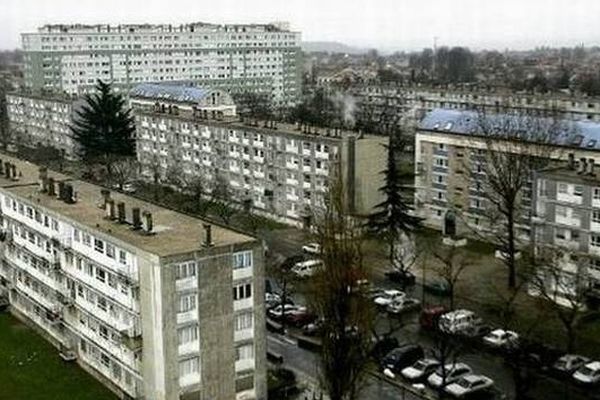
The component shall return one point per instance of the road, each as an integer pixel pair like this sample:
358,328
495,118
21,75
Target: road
289,242
305,364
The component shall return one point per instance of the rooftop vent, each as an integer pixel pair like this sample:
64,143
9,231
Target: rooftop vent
571,163
43,177
110,209
61,190
207,235
121,212
136,220
148,223
582,167
51,189
590,166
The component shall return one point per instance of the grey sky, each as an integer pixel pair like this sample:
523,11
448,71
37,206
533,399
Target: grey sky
386,24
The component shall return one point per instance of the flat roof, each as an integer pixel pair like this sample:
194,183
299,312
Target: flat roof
571,175
175,233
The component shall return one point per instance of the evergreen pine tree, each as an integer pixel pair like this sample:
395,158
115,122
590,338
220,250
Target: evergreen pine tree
103,128
392,217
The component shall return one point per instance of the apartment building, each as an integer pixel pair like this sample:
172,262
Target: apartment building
71,58
416,101
566,223
450,157
155,304
42,119
279,170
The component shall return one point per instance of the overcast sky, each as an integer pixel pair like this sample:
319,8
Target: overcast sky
385,24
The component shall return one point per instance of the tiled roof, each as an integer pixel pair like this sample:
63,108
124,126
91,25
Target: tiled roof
180,93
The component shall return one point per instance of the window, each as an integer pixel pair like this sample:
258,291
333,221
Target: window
122,257
561,211
110,250
243,321
563,188
441,162
188,367
187,334
595,240
244,352
102,304
578,191
101,275
87,239
242,291
185,270
99,245
596,216
187,302
76,236
242,259
596,193
561,234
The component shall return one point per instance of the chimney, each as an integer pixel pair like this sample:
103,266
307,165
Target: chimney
69,198
207,235
14,175
1,167
121,212
571,161
51,189
7,169
590,166
43,177
61,190
110,209
137,221
582,166
105,197
148,225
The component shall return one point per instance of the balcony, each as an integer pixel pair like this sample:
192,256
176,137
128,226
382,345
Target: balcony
188,316
242,304
241,273
186,284
242,335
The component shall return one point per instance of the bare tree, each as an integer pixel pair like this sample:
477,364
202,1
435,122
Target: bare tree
222,199
445,350
514,145
566,289
346,311
124,170
452,263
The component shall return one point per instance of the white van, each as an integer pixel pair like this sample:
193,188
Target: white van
457,321
307,268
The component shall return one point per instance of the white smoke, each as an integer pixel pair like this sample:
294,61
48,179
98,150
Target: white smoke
346,105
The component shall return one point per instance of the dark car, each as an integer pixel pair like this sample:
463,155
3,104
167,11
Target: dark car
401,277
428,319
383,347
476,331
402,357
539,354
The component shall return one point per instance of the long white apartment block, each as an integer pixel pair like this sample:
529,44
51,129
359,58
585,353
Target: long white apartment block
155,304
71,58
280,170
38,119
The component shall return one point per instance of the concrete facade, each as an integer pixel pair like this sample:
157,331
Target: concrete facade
137,294
280,170
71,58
42,120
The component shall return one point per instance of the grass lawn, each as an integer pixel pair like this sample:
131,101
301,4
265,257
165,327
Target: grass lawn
30,369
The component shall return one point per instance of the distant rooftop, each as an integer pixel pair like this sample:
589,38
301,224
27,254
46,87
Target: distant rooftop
175,233
179,93
190,27
581,134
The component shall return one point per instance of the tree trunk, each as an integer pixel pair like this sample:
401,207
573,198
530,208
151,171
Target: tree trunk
511,262
571,338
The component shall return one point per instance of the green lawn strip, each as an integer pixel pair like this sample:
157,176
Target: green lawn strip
31,369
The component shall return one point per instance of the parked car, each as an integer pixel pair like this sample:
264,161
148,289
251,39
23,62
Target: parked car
300,317
403,305
305,269
383,346
457,321
453,373
589,374
538,354
401,277
314,328
128,187
401,357
438,288
502,339
388,297
279,312
477,330
312,248
468,385
429,317
420,369
569,363
374,292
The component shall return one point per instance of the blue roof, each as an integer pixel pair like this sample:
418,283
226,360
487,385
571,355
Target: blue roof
584,134
180,93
